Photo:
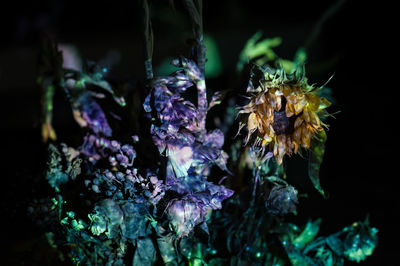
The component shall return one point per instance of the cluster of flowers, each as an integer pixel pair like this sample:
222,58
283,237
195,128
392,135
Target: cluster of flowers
127,203
190,149
113,209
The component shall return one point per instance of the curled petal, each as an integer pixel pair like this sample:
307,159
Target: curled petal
306,137
278,104
289,109
298,122
298,107
252,122
324,103
313,101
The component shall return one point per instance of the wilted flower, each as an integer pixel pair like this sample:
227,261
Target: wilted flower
184,215
201,197
283,112
88,113
282,200
172,110
360,241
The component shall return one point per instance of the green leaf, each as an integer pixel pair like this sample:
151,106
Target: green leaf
310,231
335,244
317,151
255,48
301,56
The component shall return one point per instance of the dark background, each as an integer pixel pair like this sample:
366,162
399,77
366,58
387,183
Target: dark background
354,44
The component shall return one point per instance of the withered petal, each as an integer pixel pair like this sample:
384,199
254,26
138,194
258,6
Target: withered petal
289,109
252,122
298,122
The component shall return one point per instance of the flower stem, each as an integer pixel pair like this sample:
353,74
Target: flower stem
202,103
195,10
148,38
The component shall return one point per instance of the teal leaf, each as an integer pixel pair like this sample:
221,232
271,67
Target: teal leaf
335,244
145,253
308,234
317,151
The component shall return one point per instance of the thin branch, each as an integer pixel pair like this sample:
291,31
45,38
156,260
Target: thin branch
195,10
322,20
148,38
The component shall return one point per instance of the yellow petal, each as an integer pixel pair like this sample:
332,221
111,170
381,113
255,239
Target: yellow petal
289,109
313,101
298,107
260,100
306,135
292,98
314,119
275,148
297,123
270,114
286,90
279,159
297,134
324,103
278,104
252,122
262,110
296,146
272,100
306,115
267,138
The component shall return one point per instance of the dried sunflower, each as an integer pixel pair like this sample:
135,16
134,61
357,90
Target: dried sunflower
284,111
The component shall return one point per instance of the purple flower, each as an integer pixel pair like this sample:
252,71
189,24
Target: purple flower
93,147
92,114
184,215
191,209
97,148
215,138
209,194
172,110
190,68
190,150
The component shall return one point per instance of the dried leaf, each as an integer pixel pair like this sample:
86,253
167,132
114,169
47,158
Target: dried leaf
217,98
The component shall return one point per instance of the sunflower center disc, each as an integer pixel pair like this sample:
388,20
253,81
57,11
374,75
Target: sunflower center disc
281,123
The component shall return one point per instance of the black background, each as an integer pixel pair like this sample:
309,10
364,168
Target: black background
354,44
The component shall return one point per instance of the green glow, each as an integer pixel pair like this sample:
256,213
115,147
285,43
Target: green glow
49,99
255,48
213,64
